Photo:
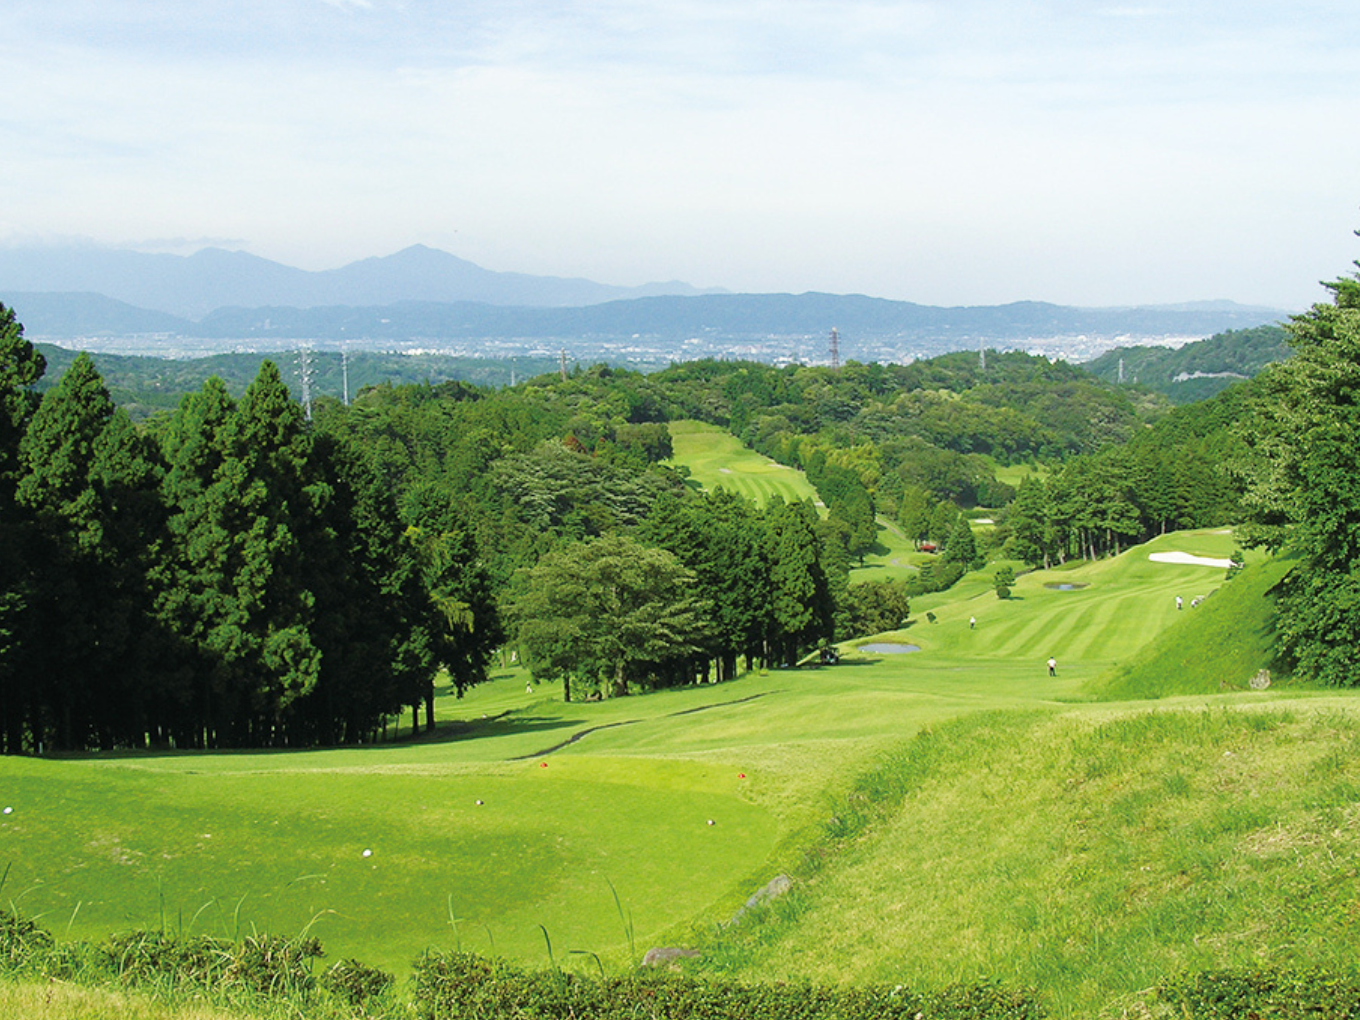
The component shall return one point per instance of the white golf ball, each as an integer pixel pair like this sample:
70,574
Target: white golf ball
9,810
710,821
368,853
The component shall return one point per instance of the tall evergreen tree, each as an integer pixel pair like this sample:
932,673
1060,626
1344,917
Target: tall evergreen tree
21,366
803,611
89,481
242,489
1303,485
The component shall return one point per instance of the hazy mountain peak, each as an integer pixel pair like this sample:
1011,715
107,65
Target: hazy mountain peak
213,277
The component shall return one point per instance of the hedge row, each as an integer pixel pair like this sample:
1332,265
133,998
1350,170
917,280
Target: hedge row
1280,994
464,986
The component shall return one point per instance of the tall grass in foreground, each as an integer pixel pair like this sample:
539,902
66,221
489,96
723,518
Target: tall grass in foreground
1090,856
51,1000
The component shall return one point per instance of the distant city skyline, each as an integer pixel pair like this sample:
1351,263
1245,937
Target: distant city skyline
968,153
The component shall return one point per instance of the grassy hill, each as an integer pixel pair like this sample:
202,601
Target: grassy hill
1198,370
716,458
1088,853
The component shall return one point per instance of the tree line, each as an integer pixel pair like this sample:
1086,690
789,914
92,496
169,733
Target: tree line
231,576
232,573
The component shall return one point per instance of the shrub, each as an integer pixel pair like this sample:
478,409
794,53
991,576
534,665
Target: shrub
23,944
356,984
147,957
1282,994
468,987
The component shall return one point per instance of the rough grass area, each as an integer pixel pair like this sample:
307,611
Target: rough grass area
59,1000
1088,854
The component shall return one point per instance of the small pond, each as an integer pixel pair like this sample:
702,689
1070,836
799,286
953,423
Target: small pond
1066,586
888,648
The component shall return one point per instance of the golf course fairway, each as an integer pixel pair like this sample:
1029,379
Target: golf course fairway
500,835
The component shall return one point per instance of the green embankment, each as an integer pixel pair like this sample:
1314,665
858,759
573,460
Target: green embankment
1218,646
1090,854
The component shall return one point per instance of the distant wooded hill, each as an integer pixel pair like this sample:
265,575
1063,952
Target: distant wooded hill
1197,370
144,385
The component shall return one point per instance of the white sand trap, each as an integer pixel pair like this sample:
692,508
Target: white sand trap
1186,560
724,471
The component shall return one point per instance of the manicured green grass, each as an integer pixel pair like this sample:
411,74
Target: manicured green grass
221,843
1014,474
717,458
894,556
282,843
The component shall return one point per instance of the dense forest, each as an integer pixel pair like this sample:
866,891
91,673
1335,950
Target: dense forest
237,571
1199,370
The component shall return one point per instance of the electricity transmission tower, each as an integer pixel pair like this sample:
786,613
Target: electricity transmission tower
305,377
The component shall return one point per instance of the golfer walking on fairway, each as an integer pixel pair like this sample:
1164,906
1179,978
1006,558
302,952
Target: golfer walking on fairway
1052,666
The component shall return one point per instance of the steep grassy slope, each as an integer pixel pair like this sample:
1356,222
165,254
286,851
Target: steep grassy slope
1216,647
1089,854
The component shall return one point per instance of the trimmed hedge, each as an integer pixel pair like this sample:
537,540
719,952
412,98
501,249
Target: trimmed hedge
1280,994
464,986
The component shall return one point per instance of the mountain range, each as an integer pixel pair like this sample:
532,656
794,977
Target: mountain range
421,293
194,285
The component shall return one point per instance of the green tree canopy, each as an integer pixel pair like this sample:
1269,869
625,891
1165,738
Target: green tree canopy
606,612
1303,485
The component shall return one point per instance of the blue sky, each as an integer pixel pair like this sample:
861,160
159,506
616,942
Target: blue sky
970,152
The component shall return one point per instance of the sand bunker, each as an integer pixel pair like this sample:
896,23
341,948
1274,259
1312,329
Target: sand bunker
1186,560
889,648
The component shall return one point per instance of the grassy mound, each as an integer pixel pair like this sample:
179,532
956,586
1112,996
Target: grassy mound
1089,854
1217,646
